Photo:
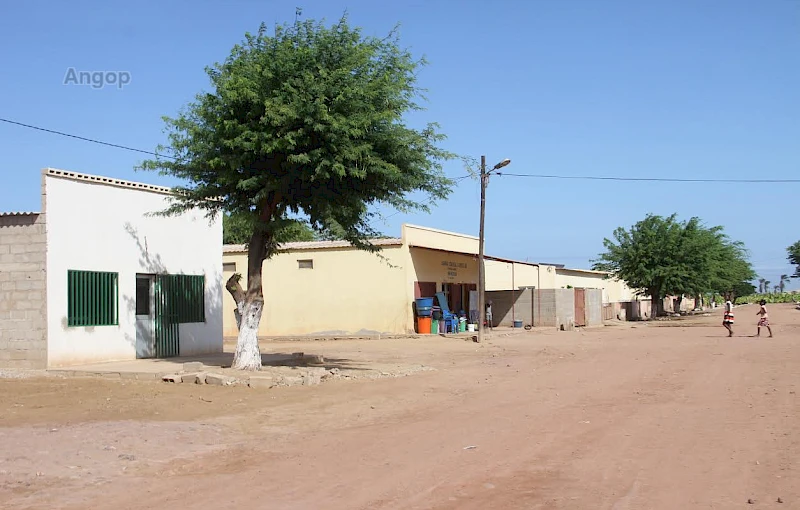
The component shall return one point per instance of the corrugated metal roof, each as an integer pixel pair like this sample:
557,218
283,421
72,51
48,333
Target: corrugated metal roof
313,245
19,213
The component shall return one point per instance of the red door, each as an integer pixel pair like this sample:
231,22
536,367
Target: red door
580,307
424,289
456,297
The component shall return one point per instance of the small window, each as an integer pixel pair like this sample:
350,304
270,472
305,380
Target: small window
92,298
305,264
229,267
143,296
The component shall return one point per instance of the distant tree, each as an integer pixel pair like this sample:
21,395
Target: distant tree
307,121
767,283
794,258
238,228
664,257
761,285
784,281
643,256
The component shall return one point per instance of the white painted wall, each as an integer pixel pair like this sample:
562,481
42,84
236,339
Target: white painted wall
103,227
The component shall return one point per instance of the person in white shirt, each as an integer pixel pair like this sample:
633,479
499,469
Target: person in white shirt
727,319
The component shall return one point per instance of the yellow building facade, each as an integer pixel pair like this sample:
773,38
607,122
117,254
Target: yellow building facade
332,288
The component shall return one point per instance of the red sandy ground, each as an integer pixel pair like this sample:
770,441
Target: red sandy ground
658,416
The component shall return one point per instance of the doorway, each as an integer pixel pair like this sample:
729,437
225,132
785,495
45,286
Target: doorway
580,307
145,316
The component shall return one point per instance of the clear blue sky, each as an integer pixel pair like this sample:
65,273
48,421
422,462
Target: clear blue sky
580,87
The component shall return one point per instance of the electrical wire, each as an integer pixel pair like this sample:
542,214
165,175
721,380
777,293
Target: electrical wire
459,179
649,179
117,146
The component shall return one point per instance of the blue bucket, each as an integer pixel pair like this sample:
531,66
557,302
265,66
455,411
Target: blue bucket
424,307
424,302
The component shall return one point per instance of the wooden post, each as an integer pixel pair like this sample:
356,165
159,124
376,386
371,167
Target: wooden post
481,268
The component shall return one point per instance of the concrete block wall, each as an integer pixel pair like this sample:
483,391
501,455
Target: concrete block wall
565,308
594,307
544,308
23,305
502,300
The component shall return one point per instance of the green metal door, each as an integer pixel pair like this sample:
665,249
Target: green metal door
166,317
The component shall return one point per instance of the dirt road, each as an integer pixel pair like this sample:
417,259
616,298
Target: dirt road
673,416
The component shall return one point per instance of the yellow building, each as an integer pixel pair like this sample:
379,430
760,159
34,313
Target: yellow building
503,274
332,288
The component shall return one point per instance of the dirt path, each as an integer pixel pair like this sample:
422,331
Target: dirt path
616,418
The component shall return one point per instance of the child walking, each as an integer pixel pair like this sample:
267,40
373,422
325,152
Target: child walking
727,319
764,320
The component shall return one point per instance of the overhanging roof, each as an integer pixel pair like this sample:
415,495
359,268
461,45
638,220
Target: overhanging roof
313,245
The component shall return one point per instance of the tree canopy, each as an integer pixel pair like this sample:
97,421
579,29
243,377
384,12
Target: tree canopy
663,256
306,121
793,252
237,229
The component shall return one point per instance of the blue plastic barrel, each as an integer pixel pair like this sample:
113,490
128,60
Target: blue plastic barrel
424,307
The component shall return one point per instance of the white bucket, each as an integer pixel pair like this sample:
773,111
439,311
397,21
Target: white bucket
471,328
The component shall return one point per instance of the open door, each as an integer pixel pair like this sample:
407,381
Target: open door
145,316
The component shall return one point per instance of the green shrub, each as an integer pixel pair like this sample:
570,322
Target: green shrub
780,297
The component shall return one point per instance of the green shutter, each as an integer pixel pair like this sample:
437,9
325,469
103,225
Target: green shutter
92,298
184,297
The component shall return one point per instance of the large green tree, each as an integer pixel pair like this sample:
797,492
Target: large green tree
664,256
305,121
237,229
793,252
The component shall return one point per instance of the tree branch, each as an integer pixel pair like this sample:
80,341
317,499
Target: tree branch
235,288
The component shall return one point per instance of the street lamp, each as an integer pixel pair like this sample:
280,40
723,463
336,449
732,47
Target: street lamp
481,268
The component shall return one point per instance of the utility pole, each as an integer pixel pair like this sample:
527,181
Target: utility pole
481,267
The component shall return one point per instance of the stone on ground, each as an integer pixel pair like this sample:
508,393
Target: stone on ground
219,380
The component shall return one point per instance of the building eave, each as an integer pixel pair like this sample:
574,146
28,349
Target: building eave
313,245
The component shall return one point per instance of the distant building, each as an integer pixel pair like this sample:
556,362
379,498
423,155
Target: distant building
93,277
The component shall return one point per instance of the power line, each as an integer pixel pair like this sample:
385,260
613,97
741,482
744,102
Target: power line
457,179
85,139
649,179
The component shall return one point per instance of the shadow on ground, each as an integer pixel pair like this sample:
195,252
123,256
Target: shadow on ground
278,359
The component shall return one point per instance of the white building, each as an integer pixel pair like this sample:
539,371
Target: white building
96,277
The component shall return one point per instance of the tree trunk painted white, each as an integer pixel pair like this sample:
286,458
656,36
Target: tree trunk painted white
248,355
238,314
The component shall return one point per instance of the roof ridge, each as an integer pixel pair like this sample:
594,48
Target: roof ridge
110,181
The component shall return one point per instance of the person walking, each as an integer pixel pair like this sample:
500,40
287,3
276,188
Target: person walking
727,319
764,320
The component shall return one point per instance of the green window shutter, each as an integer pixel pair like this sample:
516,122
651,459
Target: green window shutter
92,298
185,297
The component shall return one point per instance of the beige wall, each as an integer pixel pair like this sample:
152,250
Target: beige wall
441,267
424,237
347,291
613,290
506,275
23,325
